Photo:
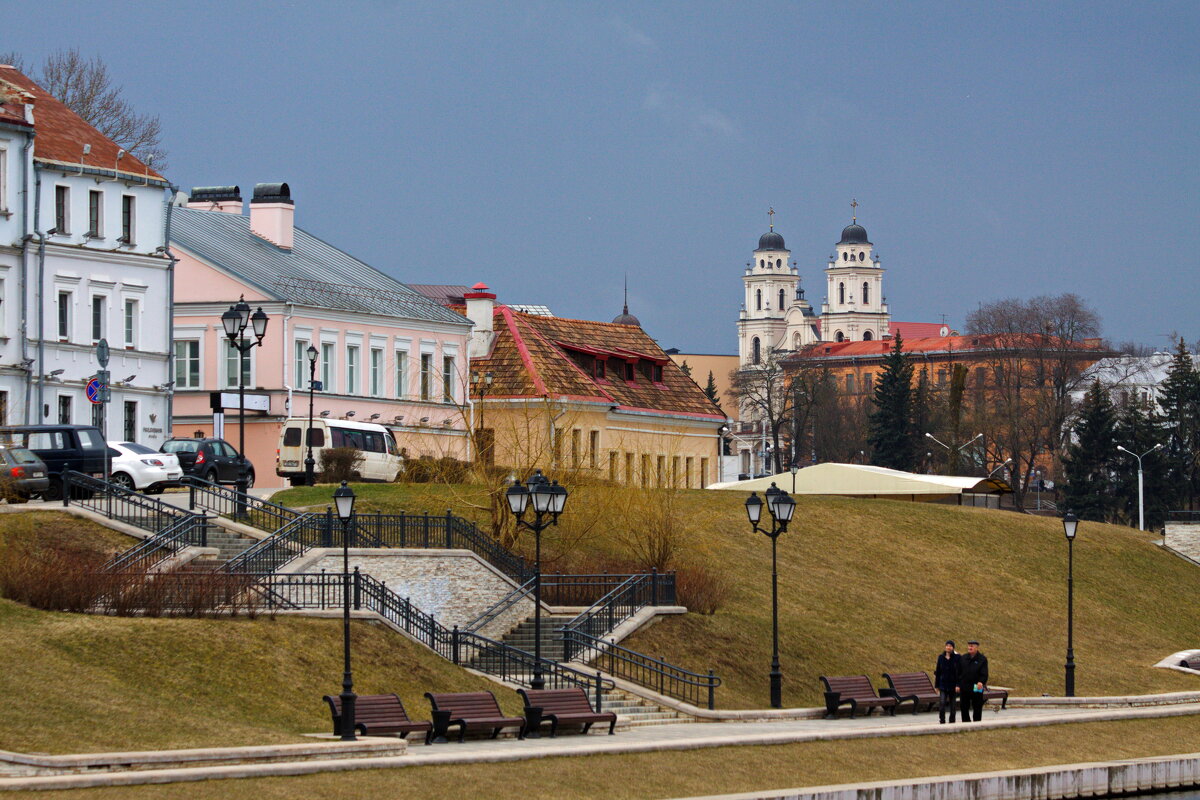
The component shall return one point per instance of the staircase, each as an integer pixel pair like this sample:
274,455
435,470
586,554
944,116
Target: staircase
637,712
522,637
228,543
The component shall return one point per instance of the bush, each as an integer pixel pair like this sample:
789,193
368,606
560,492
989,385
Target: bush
702,589
52,577
435,470
340,464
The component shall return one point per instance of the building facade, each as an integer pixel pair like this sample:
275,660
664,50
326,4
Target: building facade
83,258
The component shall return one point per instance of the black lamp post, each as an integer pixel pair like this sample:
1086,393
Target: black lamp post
795,469
343,499
548,502
310,477
235,321
781,507
1070,524
483,383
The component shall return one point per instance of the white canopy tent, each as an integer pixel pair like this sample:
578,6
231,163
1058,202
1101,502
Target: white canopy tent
859,480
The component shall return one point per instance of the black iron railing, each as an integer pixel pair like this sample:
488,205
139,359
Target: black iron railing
585,590
1183,516
188,530
246,508
116,503
290,541
643,670
621,603
522,592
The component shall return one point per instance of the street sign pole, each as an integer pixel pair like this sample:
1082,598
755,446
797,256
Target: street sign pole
104,378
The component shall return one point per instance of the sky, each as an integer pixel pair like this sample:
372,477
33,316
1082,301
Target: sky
551,149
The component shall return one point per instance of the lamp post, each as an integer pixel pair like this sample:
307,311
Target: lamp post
955,451
235,321
310,478
1070,524
795,469
1141,504
781,507
343,498
548,502
482,383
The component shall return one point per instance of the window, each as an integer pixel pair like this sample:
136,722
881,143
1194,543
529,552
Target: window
840,337
300,359
629,476
868,382
675,463
657,373
781,303
687,473
845,257
95,212
576,447
64,409
628,371
448,379
756,351
779,262
866,293
64,316
130,426
127,219
376,372
99,312
850,388
645,470
131,314
401,374
612,457
426,375
599,367
187,364
868,336
762,262
62,209
758,299
352,369
703,472
941,373
3,180
232,357
328,384
594,449
660,471
841,294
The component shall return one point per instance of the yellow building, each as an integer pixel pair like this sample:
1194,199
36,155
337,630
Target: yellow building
584,397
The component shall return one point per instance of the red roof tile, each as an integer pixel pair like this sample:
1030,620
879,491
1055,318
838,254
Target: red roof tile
931,344
61,133
918,330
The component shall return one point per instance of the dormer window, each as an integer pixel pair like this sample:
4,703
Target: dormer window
599,369
658,373
629,371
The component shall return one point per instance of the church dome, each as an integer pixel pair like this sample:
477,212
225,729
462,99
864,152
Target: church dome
625,318
854,234
771,241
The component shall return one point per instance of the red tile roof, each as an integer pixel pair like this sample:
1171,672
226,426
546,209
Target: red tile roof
931,345
61,133
12,104
531,357
918,330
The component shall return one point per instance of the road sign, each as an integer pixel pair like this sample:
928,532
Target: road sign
102,352
318,386
95,391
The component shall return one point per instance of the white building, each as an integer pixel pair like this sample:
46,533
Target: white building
1129,377
82,258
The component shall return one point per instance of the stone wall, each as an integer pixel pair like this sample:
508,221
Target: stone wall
455,586
1184,537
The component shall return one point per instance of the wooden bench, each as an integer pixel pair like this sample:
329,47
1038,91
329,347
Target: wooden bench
996,694
377,714
474,711
855,691
915,687
566,707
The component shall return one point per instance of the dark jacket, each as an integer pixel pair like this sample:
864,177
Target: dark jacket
974,669
947,674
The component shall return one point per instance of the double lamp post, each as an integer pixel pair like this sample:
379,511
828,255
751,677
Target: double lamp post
781,506
235,321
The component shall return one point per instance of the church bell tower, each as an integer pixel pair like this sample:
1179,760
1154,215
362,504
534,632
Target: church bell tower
770,286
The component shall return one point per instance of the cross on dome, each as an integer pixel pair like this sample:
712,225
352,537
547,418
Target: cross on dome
854,212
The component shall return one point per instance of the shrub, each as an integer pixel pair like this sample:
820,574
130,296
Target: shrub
702,589
52,577
436,470
340,464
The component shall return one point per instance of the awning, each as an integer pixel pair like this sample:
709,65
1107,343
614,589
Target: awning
859,480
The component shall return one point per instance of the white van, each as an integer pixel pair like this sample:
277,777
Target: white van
381,458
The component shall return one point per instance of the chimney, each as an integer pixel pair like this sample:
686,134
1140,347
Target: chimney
216,198
272,214
480,304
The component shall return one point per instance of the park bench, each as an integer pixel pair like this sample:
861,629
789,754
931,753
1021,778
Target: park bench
996,694
566,707
912,686
855,691
474,711
376,714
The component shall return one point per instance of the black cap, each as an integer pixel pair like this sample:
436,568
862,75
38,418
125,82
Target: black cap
950,642
972,641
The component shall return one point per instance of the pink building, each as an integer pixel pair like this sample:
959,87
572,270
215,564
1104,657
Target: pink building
387,354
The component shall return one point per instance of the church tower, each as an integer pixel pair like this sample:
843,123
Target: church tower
854,308
770,284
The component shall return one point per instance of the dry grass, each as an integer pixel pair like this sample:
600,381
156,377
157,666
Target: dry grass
708,771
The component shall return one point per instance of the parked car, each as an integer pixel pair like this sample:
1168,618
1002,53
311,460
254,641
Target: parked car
213,460
381,458
22,474
137,467
62,447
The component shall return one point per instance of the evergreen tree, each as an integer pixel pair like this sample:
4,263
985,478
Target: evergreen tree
710,389
1140,428
890,423
1091,456
1180,401
922,419
686,368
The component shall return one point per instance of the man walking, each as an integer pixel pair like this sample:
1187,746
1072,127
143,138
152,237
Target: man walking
974,679
947,677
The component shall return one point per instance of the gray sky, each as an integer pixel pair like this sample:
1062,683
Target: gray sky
548,148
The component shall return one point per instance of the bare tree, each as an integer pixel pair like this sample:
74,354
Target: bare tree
763,394
85,86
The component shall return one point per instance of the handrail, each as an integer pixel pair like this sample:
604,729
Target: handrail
620,604
504,604
118,503
559,589
652,673
162,545
226,502
288,542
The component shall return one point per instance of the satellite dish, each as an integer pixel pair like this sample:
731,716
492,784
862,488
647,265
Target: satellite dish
944,331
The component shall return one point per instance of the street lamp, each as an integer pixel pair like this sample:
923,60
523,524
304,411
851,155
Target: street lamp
1141,504
310,478
548,499
955,451
235,320
1006,462
781,507
343,499
1070,524
795,469
483,383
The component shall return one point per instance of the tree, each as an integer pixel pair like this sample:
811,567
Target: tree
710,390
765,398
1090,458
686,368
85,86
1179,397
890,435
1139,429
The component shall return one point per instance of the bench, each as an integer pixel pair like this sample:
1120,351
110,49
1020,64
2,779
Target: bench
566,707
855,691
376,714
996,694
912,686
474,711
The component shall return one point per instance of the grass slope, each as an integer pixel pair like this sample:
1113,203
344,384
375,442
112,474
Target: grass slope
869,586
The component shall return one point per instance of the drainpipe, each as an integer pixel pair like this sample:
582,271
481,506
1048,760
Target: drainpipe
169,423
41,280
26,237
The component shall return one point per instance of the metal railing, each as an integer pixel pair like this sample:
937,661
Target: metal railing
116,503
187,531
246,508
509,600
621,603
1183,516
647,671
290,541
559,589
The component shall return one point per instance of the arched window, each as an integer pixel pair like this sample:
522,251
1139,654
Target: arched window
756,346
840,337
841,294
762,263
781,303
862,256
779,262
758,299
796,340
845,257
867,336
866,293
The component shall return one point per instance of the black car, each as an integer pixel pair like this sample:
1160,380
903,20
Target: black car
62,447
22,474
213,460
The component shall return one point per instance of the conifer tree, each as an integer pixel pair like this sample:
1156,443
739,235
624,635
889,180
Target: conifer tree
1091,457
890,423
1180,401
710,389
